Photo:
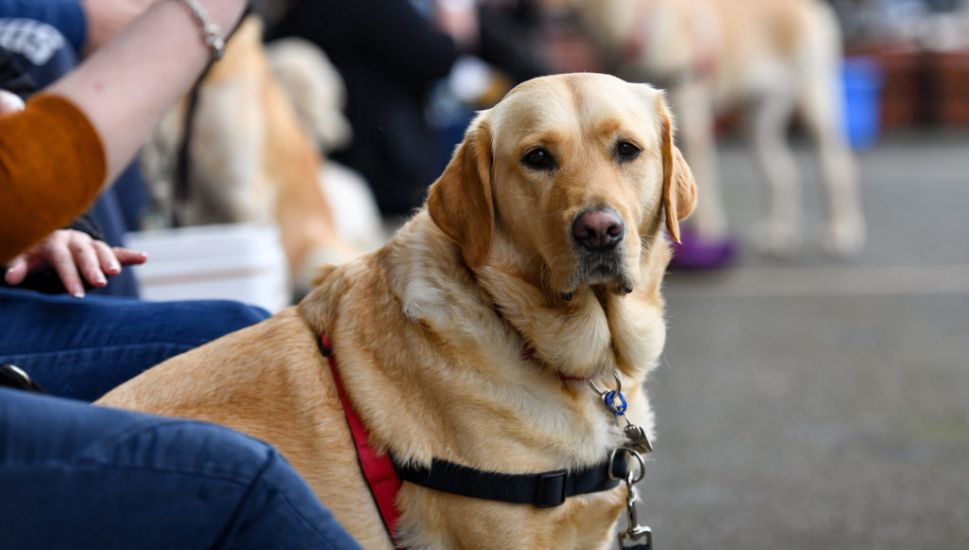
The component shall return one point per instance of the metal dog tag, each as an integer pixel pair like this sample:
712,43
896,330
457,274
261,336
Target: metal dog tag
636,436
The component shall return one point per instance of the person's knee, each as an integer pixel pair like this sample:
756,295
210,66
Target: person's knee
277,508
235,314
197,322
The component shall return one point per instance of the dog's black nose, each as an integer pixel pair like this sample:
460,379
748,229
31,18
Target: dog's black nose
598,229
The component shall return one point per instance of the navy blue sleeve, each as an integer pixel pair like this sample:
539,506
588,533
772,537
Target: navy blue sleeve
66,16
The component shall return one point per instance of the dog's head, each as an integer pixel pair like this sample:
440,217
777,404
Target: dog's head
568,179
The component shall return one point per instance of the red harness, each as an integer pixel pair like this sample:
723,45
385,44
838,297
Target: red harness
377,469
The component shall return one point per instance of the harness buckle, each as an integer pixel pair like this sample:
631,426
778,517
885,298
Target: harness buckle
550,489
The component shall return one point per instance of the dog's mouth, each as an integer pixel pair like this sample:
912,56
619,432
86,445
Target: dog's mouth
599,268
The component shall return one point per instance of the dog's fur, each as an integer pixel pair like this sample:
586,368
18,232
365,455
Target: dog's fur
251,158
429,330
769,57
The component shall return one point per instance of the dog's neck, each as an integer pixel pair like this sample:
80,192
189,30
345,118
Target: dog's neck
591,333
596,332
468,346
573,338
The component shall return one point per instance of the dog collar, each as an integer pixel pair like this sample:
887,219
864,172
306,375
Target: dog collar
544,489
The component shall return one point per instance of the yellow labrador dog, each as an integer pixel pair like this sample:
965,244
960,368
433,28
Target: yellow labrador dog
770,57
545,233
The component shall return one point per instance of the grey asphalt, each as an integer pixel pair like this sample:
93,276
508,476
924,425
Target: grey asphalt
811,403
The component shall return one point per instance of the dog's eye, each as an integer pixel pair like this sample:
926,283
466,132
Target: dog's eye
539,159
626,151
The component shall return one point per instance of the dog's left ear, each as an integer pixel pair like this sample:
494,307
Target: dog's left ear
679,188
460,201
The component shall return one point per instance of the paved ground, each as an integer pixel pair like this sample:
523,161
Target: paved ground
818,404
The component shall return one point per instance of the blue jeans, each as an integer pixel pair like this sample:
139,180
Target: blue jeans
73,475
84,348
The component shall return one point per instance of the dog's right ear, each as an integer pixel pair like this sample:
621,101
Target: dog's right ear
460,201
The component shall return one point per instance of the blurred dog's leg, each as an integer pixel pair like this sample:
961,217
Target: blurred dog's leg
693,108
780,230
823,111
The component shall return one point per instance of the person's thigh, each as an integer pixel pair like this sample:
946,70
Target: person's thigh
81,476
83,348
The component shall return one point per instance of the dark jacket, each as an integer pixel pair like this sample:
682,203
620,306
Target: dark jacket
388,55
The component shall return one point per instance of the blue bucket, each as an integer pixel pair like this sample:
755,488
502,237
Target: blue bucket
862,83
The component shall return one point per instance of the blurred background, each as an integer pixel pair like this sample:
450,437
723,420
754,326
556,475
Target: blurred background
810,396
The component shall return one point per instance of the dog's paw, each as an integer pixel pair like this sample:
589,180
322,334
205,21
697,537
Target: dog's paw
777,238
844,237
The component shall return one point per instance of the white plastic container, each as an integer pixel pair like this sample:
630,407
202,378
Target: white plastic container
239,262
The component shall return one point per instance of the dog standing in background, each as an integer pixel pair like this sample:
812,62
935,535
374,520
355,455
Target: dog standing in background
253,159
771,57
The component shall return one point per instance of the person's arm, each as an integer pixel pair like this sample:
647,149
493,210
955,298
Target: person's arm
83,130
126,86
105,18
51,168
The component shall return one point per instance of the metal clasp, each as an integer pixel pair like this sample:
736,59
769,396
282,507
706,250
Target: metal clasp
615,402
636,536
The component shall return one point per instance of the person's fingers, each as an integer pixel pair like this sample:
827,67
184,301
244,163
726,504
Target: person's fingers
109,264
61,259
129,257
16,270
86,259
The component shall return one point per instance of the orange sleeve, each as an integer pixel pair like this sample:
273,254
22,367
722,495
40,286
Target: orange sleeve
52,166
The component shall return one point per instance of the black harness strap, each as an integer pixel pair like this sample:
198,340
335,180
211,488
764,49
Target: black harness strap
544,490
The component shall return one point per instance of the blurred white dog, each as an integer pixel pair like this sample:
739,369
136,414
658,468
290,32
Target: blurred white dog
771,57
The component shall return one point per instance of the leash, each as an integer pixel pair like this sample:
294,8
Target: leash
549,489
182,191
636,536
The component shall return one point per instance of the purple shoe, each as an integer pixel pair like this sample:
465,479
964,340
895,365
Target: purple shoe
694,253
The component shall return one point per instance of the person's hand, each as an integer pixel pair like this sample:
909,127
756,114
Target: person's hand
106,17
73,254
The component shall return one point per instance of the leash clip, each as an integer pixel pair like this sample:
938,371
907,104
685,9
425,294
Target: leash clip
636,536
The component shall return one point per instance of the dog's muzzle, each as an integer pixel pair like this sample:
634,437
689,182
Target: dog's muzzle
596,235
